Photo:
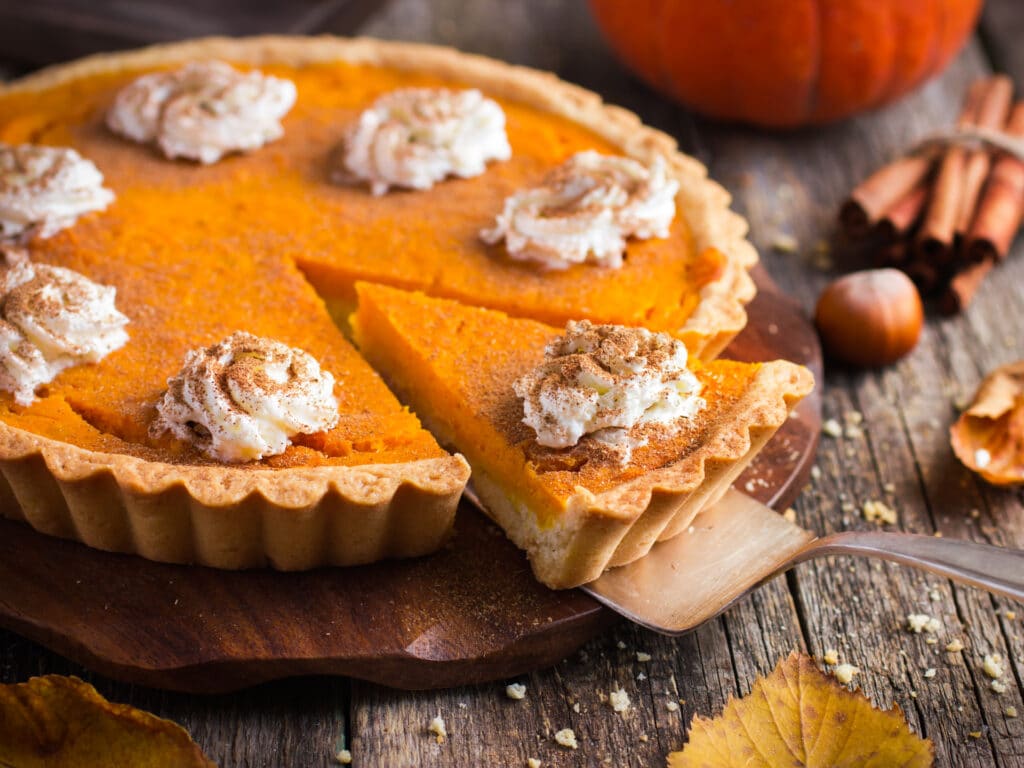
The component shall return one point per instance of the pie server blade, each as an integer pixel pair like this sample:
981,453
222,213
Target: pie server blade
738,543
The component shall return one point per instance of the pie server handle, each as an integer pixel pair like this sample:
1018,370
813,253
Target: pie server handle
738,543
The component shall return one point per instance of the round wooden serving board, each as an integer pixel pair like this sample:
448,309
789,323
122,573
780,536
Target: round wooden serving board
470,613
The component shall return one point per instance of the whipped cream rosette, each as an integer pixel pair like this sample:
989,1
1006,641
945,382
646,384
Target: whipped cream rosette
246,397
585,210
416,137
45,189
52,318
203,111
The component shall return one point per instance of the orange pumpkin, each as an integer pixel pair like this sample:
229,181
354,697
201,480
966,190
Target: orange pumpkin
786,62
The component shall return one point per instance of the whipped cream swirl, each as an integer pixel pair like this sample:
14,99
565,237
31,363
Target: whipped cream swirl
584,210
245,398
415,137
203,111
52,318
605,379
45,189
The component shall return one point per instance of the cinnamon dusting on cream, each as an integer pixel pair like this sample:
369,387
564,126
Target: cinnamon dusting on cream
52,318
245,397
584,211
416,137
203,111
45,189
618,384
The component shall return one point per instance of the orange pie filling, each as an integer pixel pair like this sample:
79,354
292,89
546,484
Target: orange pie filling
198,252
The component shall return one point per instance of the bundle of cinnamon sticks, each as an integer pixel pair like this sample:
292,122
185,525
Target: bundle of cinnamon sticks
948,213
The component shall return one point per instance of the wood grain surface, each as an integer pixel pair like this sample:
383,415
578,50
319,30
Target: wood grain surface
784,183
472,612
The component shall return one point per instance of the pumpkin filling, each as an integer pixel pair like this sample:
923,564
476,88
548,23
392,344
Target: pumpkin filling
259,242
458,364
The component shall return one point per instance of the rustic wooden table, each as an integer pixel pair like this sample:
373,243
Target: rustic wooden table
784,183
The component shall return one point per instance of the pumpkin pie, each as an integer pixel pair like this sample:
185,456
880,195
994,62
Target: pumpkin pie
267,242
575,510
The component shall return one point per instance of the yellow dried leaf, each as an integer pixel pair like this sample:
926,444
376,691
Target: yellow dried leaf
799,717
59,722
989,436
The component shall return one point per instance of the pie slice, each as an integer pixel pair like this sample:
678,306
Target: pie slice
575,511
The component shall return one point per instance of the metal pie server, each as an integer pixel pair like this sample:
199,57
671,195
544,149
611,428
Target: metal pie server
738,543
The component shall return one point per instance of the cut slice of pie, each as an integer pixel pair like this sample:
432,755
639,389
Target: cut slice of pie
576,511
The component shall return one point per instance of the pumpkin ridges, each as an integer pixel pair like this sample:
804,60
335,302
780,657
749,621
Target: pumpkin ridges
755,42
917,48
857,45
772,62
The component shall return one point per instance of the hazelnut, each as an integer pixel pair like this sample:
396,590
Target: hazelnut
870,318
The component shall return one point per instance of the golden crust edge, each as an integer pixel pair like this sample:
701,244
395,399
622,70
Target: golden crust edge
616,527
720,314
224,517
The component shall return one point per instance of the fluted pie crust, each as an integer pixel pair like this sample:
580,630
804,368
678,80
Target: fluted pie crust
295,514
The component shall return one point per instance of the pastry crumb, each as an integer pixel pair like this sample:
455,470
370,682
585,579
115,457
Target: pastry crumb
992,665
831,657
620,645
832,428
954,646
878,512
515,691
344,757
1009,615
576,707
922,622
846,672
532,762
790,514
619,700
784,242
641,656
930,672
815,472
974,734
437,728
672,706
998,686
1010,711
567,738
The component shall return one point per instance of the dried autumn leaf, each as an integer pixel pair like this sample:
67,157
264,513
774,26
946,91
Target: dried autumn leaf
989,436
799,717
59,722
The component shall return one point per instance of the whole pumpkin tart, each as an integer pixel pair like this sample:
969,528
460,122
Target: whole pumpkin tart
265,243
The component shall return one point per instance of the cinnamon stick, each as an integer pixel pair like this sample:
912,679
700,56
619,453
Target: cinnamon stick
899,219
892,255
993,112
881,191
1002,204
963,286
935,238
